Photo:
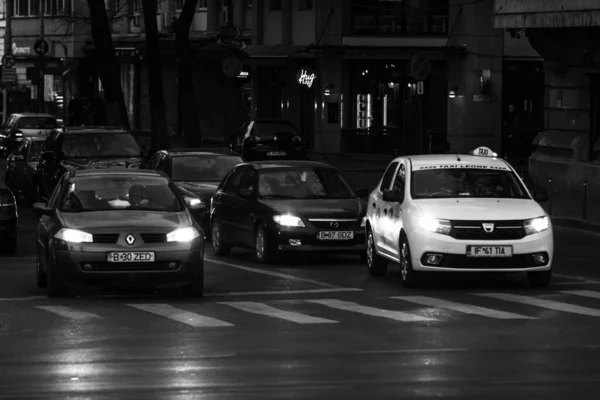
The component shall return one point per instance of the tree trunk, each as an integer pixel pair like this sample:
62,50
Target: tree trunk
187,99
108,68
158,116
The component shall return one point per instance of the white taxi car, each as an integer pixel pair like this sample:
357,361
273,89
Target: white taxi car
457,213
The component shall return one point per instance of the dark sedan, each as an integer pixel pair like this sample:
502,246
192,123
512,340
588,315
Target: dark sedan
9,220
266,139
119,227
197,174
287,206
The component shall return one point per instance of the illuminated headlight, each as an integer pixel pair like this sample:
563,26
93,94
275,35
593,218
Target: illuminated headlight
74,236
289,220
192,201
536,225
363,222
183,235
435,225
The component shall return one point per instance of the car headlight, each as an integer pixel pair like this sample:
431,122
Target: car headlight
363,222
74,236
289,220
536,225
183,235
435,225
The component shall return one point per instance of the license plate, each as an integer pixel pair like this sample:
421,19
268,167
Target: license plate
276,153
130,256
336,235
489,251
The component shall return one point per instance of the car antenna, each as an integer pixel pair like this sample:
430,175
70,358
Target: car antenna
457,158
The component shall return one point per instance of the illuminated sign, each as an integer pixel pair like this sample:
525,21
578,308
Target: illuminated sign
243,74
20,50
306,78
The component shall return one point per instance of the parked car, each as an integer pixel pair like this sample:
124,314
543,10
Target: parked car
9,220
287,207
85,147
21,167
119,227
22,125
266,139
197,173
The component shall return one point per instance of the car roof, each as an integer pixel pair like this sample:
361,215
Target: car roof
287,164
454,159
94,129
32,114
200,151
117,171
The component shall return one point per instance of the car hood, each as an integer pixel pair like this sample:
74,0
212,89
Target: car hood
201,190
480,209
101,163
116,219
320,208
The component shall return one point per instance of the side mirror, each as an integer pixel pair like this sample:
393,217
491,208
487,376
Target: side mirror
245,192
18,158
393,196
361,192
42,209
540,197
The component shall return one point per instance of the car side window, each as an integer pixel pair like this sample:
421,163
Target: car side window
400,181
52,202
233,183
388,176
248,180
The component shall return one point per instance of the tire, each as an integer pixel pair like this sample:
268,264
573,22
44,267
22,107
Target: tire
40,276
263,253
539,278
220,247
407,273
54,286
376,265
195,288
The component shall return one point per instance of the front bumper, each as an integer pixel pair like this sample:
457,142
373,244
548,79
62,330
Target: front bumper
86,264
454,257
291,239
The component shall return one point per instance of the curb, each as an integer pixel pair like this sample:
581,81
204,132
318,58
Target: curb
575,224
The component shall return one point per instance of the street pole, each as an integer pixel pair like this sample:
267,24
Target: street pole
41,82
7,50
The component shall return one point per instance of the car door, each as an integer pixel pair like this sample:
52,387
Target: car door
377,207
47,223
244,208
225,202
395,212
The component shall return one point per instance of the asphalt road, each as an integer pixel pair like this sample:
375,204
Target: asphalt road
314,328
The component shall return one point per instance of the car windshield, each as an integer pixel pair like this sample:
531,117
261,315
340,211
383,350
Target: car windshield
36,150
303,183
100,145
199,168
466,183
120,192
37,123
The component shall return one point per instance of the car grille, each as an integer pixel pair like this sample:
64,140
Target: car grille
154,237
128,267
105,237
456,261
326,225
473,230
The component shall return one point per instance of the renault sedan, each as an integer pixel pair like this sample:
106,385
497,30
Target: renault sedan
120,227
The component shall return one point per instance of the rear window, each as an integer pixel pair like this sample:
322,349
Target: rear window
100,145
37,123
271,129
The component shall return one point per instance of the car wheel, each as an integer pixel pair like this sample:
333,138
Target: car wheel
54,285
40,275
196,287
408,274
376,264
539,278
262,251
220,247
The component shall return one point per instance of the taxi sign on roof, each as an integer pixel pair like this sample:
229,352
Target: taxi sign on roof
463,166
484,152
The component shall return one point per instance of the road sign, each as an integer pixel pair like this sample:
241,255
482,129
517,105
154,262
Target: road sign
41,47
9,75
233,43
8,60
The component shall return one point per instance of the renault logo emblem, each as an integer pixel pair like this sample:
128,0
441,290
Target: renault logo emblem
130,239
333,224
489,228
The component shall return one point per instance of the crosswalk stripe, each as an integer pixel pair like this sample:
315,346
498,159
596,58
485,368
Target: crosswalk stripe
583,293
463,308
68,312
185,317
549,304
371,311
265,309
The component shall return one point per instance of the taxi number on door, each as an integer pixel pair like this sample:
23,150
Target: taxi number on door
489,251
336,235
130,256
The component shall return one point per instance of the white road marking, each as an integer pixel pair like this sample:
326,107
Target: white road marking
276,292
549,304
371,311
265,309
68,312
576,278
271,273
185,317
463,308
23,298
583,293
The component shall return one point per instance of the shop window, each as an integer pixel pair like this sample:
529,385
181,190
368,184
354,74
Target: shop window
274,5
304,5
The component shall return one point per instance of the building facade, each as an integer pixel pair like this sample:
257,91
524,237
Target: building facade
566,161
377,76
